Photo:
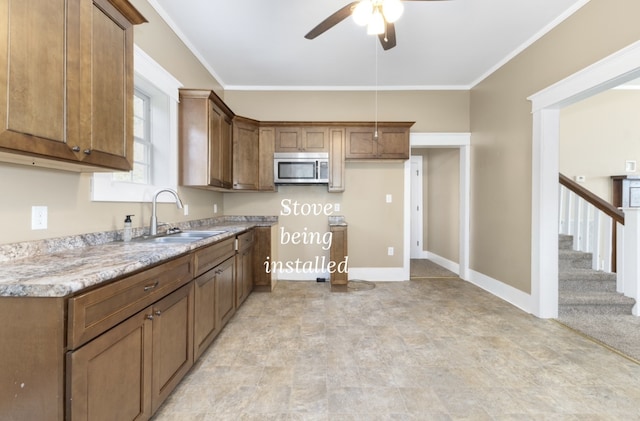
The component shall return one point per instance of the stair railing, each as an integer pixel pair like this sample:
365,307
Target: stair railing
592,221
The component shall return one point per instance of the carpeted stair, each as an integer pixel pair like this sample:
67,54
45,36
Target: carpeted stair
584,291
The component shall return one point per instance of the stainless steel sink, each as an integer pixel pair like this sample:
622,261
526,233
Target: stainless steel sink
203,234
181,237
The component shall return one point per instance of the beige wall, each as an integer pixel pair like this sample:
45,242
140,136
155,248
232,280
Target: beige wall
598,135
443,206
501,132
374,224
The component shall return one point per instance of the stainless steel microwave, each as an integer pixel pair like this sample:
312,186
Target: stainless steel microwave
301,168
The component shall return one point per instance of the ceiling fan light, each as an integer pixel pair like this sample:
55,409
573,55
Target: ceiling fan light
362,12
376,23
392,10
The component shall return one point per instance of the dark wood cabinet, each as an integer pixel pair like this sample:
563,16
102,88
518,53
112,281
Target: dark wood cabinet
338,252
336,159
392,141
244,267
80,110
225,291
246,154
110,377
264,247
205,140
128,371
292,138
172,343
266,139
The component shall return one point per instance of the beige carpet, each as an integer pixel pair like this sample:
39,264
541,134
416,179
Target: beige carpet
425,269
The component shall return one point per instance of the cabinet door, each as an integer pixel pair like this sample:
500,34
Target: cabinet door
205,322
32,106
393,143
288,139
226,152
172,342
225,291
338,252
215,119
245,155
110,377
244,275
266,140
360,143
106,115
336,160
315,139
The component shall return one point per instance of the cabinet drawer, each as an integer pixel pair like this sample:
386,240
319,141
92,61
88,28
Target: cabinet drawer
94,312
210,257
245,240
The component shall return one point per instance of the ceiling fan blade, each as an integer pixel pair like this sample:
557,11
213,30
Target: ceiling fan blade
331,21
388,37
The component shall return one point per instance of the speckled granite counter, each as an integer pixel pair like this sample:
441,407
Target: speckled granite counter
62,266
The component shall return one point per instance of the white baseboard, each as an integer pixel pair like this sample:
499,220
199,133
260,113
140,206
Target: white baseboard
391,274
445,263
501,290
363,274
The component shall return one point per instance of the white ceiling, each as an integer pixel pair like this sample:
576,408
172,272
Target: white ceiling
260,44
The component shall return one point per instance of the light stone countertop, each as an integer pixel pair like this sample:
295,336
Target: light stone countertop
72,268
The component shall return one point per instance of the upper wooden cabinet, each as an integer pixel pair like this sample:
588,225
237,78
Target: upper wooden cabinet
205,130
302,139
246,154
67,84
266,140
392,142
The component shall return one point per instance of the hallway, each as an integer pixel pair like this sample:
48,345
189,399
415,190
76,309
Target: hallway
439,349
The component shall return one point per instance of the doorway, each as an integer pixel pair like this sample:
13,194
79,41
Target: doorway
620,67
460,141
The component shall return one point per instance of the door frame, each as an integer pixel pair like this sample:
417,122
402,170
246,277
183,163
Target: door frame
615,69
462,141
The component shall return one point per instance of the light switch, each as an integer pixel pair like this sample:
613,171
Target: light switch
630,166
389,198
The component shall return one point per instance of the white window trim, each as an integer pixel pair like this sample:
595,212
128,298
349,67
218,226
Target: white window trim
104,188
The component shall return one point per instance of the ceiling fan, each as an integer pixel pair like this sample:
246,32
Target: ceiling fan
377,15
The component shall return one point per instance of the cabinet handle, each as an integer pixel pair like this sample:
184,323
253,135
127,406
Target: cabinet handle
76,149
150,287
158,312
149,317
87,151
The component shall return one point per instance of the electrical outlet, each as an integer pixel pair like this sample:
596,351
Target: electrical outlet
336,207
38,217
390,251
389,198
185,208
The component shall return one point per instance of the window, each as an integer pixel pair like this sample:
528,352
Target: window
155,157
142,142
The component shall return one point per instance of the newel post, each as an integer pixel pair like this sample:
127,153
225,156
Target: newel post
631,262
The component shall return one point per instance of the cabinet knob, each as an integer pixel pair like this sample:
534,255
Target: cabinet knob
158,312
149,317
87,151
76,149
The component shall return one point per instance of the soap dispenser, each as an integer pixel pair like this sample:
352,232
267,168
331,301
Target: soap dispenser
126,235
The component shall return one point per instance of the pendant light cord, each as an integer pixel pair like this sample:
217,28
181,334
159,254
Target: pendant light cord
375,133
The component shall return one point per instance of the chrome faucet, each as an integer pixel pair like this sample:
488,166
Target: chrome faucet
153,227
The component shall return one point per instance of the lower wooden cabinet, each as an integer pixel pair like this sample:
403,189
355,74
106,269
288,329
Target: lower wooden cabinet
244,267
128,371
225,291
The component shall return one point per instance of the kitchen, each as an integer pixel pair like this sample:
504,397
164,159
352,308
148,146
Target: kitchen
71,212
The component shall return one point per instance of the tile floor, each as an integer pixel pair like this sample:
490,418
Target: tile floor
439,349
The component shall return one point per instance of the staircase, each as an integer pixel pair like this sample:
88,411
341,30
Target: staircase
583,291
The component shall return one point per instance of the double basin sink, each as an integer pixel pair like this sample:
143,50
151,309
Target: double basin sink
181,237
